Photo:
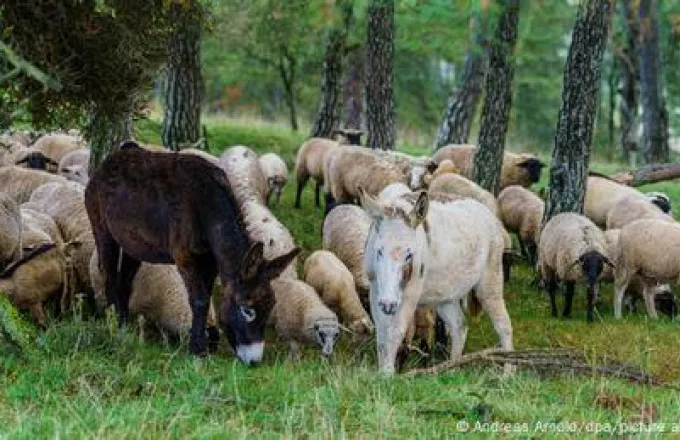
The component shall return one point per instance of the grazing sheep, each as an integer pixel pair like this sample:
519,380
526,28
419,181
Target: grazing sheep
300,316
276,172
647,248
56,146
572,248
345,229
159,295
75,166
456,184
518,169
244,174
335,285
352,168
602,193
10,230
521,212
631,208
19,182
661,200
311,163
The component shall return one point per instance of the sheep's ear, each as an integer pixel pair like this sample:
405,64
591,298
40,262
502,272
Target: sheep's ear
370,204
273,268
19,162
419,212
608,262
252,261
431,166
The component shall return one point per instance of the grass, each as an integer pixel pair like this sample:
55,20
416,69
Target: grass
91,379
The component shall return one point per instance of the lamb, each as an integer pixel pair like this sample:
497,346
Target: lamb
311,163
10,230
521,212
300,316
450,183
244,173
335,285
631,208
522,169
345,230
56,146
19,182
159,295
276,172
647,248
569,240
75,166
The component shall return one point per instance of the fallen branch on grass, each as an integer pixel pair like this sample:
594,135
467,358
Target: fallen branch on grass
556,360
649,174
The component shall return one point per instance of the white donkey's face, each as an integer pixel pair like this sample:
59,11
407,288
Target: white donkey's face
392,248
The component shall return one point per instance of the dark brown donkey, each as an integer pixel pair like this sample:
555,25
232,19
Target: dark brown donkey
176,208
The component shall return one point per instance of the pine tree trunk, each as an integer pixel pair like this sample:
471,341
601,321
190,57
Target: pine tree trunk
328,116
353,89
498,101
462,105
104,133
184,83
380,110
571,153
287,69
629,68
655,150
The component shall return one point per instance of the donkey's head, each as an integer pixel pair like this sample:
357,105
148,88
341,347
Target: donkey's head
394,247
245,311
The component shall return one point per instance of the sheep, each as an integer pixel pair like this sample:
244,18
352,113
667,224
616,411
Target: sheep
444,167
417,168
19,182
9,150
159,295
38,227
393,191
661,200
200,153
451,183
311,163
345,230
75,166
521,212
244,173
522,169
56,146
300,316
276,172
602,193
631,208
569,240
647,248
352,168
335,285
10,230
34,159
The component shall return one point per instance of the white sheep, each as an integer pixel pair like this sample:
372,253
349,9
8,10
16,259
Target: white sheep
416,168
450,183
56,146
276,172
602,193
244,173
521,212
311,163
335,285
10,230
19,183
631,208
75,166
300,316
572,248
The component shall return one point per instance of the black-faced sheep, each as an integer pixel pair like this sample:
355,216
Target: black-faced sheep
521,212
276,173
56,146
631,208
311,163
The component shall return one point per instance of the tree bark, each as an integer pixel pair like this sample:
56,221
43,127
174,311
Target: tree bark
328,116
104,133
353,89
462,105
380,110
655,144
571,153
498,101
649,174
629,68
184,83
287,70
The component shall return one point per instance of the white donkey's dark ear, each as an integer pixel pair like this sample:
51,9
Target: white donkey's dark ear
419,212
370,205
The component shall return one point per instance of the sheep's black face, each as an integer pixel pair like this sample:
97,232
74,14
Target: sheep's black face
662,203
592,265
533,169
666,304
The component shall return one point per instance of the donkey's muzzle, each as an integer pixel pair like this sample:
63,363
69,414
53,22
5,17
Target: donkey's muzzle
388,307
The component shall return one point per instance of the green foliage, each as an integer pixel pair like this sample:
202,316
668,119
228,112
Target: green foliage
14,329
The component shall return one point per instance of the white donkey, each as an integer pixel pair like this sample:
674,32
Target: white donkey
435,254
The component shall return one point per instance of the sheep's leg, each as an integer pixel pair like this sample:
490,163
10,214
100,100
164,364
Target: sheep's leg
269,196
592,294
551,285
522,247
38,313
317,192
648,294
302,179
330,203
531,252
620,287
452,315
568,298
196,275
294,354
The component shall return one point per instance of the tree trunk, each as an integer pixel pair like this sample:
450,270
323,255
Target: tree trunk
651,88
184,83
104,133
498,101
328,115
353,89
629,68
462,105
380,110
571,153
287,67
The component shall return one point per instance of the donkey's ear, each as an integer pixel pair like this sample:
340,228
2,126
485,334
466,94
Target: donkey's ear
370,205
419,212
252,261
273,268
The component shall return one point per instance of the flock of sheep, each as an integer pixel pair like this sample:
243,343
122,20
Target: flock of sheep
406,255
